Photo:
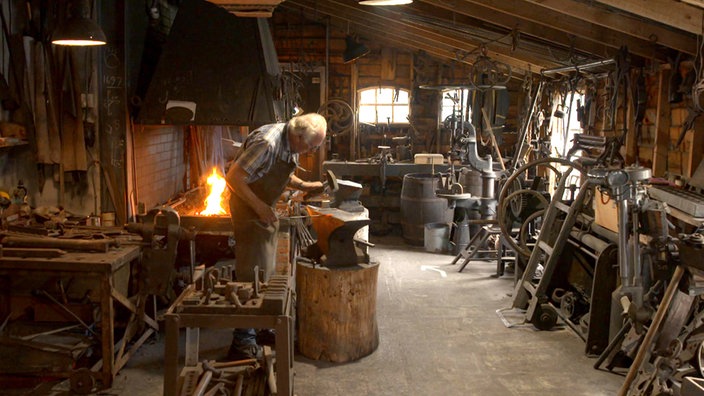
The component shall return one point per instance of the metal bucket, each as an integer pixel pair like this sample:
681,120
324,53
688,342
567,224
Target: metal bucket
420,206
436,237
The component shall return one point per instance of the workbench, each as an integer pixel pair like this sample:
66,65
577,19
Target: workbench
380,169
195,317
100,271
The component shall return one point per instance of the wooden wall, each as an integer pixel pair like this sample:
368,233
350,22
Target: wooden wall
310,45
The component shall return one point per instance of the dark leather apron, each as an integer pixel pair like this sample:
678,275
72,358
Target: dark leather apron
255,242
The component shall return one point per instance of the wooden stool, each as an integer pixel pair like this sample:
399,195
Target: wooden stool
475,246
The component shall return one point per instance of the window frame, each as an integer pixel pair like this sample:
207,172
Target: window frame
377,103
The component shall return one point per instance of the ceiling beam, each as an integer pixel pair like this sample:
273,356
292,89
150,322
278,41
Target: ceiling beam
669,12
567,24
342,24
385,22
539,32
626,24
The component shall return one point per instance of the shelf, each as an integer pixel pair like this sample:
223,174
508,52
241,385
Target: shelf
11,142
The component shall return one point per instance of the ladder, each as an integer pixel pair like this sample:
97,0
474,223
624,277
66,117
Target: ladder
547,249
475,246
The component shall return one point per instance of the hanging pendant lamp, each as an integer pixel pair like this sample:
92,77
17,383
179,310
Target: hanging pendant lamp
384,2
353,49
79,29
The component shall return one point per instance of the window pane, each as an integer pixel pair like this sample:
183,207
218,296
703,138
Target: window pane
386,96
402,97
400,114
448,104
383,112
367,113
376,104
367,96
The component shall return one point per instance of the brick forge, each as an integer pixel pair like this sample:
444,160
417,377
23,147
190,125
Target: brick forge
283,251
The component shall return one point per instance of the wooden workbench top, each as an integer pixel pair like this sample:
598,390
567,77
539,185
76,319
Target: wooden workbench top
110,261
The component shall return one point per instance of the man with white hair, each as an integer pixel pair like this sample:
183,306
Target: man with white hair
256,180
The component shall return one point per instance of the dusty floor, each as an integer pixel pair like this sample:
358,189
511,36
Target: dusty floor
439,335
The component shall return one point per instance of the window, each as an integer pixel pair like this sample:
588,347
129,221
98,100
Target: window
382,105
453,100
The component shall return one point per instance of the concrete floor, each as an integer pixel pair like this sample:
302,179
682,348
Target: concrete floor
438,335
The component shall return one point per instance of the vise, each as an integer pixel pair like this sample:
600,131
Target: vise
161,231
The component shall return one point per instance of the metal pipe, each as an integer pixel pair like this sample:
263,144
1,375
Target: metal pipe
584,66
590,240
623,262
604,232
635,259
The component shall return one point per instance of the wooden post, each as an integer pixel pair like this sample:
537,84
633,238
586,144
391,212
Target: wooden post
337,311
693,142
662,126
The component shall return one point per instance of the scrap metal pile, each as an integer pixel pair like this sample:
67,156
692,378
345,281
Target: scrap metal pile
248,377
216,294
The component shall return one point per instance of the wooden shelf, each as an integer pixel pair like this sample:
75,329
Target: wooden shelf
5,143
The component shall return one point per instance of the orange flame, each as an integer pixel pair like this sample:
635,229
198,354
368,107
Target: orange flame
214,201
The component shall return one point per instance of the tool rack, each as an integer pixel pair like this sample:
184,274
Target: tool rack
270,309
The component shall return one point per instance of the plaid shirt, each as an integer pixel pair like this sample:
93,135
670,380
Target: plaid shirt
262,148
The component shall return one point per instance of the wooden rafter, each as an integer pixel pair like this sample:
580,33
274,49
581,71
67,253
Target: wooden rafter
385,24
669,12
538,32
618,22
567,24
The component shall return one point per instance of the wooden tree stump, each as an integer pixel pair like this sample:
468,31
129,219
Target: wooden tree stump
337,311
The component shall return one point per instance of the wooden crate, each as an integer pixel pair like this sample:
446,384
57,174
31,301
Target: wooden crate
605,212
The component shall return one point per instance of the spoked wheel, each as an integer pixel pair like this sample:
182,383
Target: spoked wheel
339,115
513,200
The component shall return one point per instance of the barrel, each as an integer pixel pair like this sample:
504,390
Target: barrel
420,206
471,181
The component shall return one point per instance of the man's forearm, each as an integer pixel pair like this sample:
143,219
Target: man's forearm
295,182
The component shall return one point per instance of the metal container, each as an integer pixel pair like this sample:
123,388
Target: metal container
420,206
471,181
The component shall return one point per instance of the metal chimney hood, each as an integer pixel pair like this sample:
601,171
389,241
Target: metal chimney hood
215,69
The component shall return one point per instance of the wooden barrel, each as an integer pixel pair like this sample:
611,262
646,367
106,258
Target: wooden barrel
471,181
420,206
336,311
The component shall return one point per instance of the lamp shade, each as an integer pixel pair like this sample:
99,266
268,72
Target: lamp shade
353,49
78,29
384,2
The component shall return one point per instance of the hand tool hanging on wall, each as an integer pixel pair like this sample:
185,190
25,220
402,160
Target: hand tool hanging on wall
640,99
17,84
44,152
674,93
73,150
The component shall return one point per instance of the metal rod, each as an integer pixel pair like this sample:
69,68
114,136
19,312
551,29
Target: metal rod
613,344
584,66
68,311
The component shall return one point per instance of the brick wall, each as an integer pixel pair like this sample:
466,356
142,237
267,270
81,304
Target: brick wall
283,251
160,163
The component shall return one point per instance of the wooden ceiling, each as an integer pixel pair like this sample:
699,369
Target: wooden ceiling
528,35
